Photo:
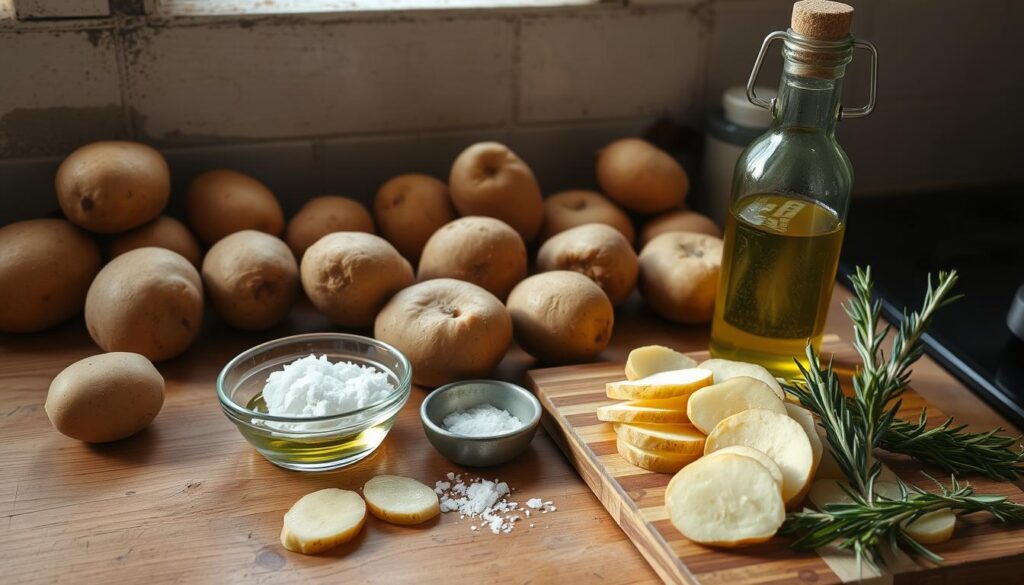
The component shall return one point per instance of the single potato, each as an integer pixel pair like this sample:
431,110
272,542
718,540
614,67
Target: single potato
162,232
764,460
679,276
252,279
660,412
596,251
489,179
409,209
482,250
682,220
671,384
569,209
222,202
400,500
324,215
322,520
641,177
651,359
712,404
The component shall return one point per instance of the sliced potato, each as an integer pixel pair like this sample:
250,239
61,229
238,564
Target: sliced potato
806,420
725,369
766,461
322,520
400,500
671,384
681,438
657,461
728,500
662,412
709,405
932,528
651,359
777,436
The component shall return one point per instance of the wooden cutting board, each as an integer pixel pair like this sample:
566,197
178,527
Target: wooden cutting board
982,550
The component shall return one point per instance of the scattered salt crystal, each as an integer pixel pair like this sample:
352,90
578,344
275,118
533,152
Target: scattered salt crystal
535,503
531,524
482,420
482,499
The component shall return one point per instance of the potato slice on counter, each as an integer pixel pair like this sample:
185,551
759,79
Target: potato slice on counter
932,528
725,369
709,405
671,384
806,420
400,500
323,520
651,359
728,500
681,438
777,436
657,461
662,412
766,461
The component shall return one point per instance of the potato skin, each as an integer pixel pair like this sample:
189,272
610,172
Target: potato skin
449,330
641,177
252,279
348,276
147,301
113,185
597,251
482,250
162,232
323,215
569,209
222,202
679,275
105,397
561,317
489,179
409,209
682,220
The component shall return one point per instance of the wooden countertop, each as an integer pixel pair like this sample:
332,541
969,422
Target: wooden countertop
189,501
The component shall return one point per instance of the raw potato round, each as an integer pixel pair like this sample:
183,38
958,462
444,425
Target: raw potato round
105,397
489,179
252,279
325,215
725,369
596,251
712,404
148,301
679,276
561,317
656,461
46,266
660,412
400,500
409,209
931,528
728,501
764,460
113,186
679,221
569,209
641,177
679,438
162,232
481,250
671,384
348,276
322,520
806,420
652,359
222,202
449,330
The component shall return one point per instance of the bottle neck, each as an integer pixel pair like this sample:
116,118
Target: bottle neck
808,103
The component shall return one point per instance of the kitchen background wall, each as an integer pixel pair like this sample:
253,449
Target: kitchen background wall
337,103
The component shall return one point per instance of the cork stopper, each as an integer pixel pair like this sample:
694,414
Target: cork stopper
822,19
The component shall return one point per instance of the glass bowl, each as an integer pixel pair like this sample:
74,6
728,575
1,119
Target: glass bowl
312,443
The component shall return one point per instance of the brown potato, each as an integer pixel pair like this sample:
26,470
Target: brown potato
324,215
252,279
489,179
409,209
569,209
105,397
449,330
46,266
481,250
147,301
641,177
682,220
596,251
222,202
162,232
561,317
113,185
348,276
679,275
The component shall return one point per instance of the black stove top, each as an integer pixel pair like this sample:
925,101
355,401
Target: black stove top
980,233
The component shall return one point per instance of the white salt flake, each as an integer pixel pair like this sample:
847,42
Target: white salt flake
484,500
480,421
535,503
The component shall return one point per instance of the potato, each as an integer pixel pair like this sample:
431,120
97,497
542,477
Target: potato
596,251
148,301
561,317
324,215
348,276
489,179
162,232
449,330
806,420
678,438
641,177
656,461
481,250
569,209
105,397
113,186
252,279
726,369
46,266
931,528
727,501
660,412
409,209
682,220
400,500
222,202
712,404
764,460
651,359
679,276
671,384
322,520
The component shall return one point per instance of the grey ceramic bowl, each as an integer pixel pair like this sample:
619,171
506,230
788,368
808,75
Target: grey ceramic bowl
480,451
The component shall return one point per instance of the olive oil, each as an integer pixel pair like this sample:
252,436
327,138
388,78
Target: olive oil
778,265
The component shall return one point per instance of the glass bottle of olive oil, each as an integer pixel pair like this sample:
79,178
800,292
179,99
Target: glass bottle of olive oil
791,190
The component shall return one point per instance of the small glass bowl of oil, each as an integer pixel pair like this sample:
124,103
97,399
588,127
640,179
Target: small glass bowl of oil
317,443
